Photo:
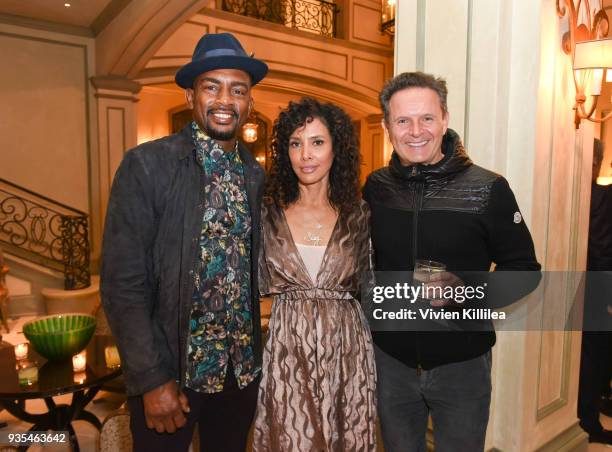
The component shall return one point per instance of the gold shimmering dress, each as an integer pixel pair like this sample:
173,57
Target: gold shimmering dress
318,387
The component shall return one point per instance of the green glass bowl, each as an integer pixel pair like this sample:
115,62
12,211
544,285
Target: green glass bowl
59,337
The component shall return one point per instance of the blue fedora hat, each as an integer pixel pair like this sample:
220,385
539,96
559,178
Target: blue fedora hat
219,51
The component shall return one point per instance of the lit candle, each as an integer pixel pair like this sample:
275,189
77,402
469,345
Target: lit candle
21,351
79,362
79,378
28,373
111,355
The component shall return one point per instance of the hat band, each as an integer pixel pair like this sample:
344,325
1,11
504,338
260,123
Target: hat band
220,52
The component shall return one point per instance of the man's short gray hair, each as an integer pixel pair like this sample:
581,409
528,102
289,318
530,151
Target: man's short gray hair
407,80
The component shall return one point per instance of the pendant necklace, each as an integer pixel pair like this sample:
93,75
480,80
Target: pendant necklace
314,238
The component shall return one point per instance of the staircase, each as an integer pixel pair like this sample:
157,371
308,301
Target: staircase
45,245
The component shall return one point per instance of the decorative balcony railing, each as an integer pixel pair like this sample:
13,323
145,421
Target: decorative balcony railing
315,16
45,231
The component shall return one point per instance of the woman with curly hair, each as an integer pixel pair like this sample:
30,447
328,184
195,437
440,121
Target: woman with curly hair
318,378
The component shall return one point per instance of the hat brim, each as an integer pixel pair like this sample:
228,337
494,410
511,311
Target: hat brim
186,75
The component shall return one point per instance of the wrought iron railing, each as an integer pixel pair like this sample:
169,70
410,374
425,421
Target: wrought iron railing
315,16
45,231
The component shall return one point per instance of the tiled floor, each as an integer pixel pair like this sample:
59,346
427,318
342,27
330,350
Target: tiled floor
106,402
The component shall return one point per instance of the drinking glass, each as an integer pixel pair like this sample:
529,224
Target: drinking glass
423,271
424,268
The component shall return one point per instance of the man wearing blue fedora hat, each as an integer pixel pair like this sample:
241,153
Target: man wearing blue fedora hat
179,263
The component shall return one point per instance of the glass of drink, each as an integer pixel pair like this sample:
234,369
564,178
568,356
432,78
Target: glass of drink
423,271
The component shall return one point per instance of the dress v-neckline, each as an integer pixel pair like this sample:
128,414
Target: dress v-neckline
299,255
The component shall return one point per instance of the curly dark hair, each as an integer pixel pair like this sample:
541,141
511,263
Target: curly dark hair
282,184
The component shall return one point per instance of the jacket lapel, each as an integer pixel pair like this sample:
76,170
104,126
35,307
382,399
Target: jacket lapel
252,176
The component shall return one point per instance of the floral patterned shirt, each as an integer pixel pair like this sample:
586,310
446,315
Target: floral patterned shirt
221,324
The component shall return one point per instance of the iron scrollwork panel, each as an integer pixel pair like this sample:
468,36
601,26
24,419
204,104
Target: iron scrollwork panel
75,252
316,16
57,239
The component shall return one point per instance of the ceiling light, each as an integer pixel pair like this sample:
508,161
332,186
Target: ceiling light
67,5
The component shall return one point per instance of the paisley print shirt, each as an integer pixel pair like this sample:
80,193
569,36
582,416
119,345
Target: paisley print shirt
221,326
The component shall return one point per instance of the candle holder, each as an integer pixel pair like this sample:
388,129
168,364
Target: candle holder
79,362
111,356
27,372
79,378
21,351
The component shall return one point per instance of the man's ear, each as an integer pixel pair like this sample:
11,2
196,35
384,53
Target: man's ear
251,104
189,97
383,123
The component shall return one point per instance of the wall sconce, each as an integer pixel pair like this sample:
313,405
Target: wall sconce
249,132
591,55
591,58
387,16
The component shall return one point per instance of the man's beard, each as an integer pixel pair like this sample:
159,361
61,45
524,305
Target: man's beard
221,135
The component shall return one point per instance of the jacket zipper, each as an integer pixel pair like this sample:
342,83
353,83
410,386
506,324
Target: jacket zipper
418,204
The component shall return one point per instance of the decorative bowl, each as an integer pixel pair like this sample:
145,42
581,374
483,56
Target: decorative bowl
59,337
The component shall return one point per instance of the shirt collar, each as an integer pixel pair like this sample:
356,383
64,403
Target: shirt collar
207,146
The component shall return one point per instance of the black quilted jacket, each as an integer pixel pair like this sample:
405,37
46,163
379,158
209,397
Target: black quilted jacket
453,212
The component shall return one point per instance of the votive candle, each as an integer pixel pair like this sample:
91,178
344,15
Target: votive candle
111,356
79,378
79,362
21,351
28,374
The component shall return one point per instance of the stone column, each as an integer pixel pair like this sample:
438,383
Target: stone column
117,127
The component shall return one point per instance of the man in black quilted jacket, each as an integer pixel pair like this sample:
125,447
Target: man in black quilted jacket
431,202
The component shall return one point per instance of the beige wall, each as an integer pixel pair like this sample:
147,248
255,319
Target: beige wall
153,109
45,125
